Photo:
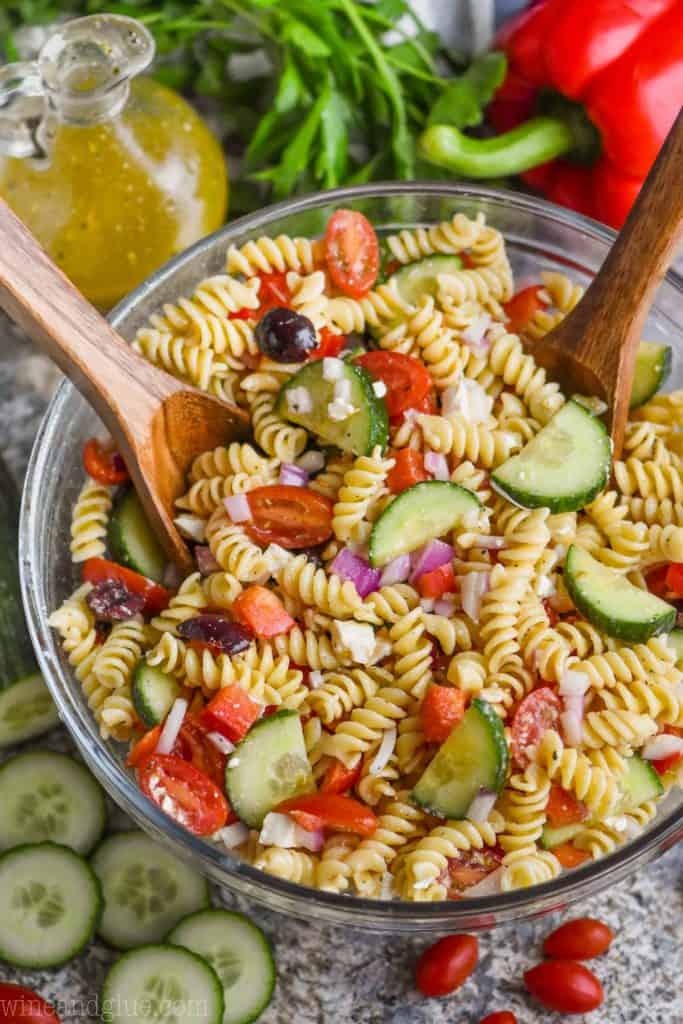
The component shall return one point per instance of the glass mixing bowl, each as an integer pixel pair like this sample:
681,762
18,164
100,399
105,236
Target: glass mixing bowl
539,236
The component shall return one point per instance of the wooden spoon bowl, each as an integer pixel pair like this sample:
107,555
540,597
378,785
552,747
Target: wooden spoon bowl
158,423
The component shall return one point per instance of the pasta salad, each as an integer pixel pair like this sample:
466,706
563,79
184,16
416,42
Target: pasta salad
430,646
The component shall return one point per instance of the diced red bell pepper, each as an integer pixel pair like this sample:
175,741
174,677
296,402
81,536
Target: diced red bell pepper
569,856
523,307
231,713
145,746
563,808
262,611
674,578
104,464
442,709
273,291
96,570
335,812
330,344
338,778
437,582
408,470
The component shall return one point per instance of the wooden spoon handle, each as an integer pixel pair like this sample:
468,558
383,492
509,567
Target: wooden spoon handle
619,299
38,297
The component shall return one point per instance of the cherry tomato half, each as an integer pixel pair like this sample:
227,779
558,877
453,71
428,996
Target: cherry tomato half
338,778
104,464
184,793
501,1017
563,808
273,291
351,252
446,965
523,307
96,570
407,381
194,746
292,517
564,985
581,939
19,1005
330,344
470,867
539,711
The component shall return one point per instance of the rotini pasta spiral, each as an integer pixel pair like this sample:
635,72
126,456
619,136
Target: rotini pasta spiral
120,653
265,255
424,868
233,550
341,692
363,483
413,653
573,770
449,236
89,522
330,594
455,435
188,602
617,728
399,823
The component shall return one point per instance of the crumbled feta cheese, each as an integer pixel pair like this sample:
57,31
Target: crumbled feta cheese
339,410
469,399
315,679
333,369
342,390
277,558
380,388
382,649
299,400
358,638
545,586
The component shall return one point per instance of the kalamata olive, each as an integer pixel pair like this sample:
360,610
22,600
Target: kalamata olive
112,601
285,336
216,631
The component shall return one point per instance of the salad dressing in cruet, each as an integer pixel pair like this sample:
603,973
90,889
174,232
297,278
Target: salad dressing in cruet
113,173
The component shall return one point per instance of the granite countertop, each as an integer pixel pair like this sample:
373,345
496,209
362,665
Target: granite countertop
328,975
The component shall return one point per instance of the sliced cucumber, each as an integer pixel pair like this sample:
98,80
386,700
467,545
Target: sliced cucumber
475,756
653,366
414,280
552,837
49,796
418,515
361,431
132,540
50,901
153,693
640,782
675,641
166,984
26,710
146,889
563,467
239,953
611,603
268,766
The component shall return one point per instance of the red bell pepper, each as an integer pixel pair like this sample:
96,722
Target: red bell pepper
97,570
442,709
262,611
598,82
231,712
332,811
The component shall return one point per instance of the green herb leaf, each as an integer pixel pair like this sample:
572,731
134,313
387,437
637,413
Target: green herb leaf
462,101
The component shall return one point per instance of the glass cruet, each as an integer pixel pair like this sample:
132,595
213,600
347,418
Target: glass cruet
112,172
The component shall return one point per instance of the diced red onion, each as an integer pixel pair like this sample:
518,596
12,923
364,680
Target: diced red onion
487,542
573,684
396,571
481,806
281,830
384,751
350,567
294,476
232,835
662,746
571,720
174,720
437,465
221,742
172,577
474,334
238,508
489,886
430,557
473,586
206,563
311,461
445,606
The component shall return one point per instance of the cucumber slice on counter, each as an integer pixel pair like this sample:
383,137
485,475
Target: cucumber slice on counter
552,837
46,796
611,603
154,692
675,641
417,279
164,984
268,766
475,756
640,782
26,707
239,953
563,467
653,366
132,541
360,432
146,889
418,515
50,901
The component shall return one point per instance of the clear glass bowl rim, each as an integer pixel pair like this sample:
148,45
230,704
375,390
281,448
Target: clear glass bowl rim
286,897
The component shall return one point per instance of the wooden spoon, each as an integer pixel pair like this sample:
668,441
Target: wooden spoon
159,424
593,350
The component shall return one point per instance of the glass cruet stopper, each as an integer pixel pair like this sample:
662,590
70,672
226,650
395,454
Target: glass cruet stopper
81,77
